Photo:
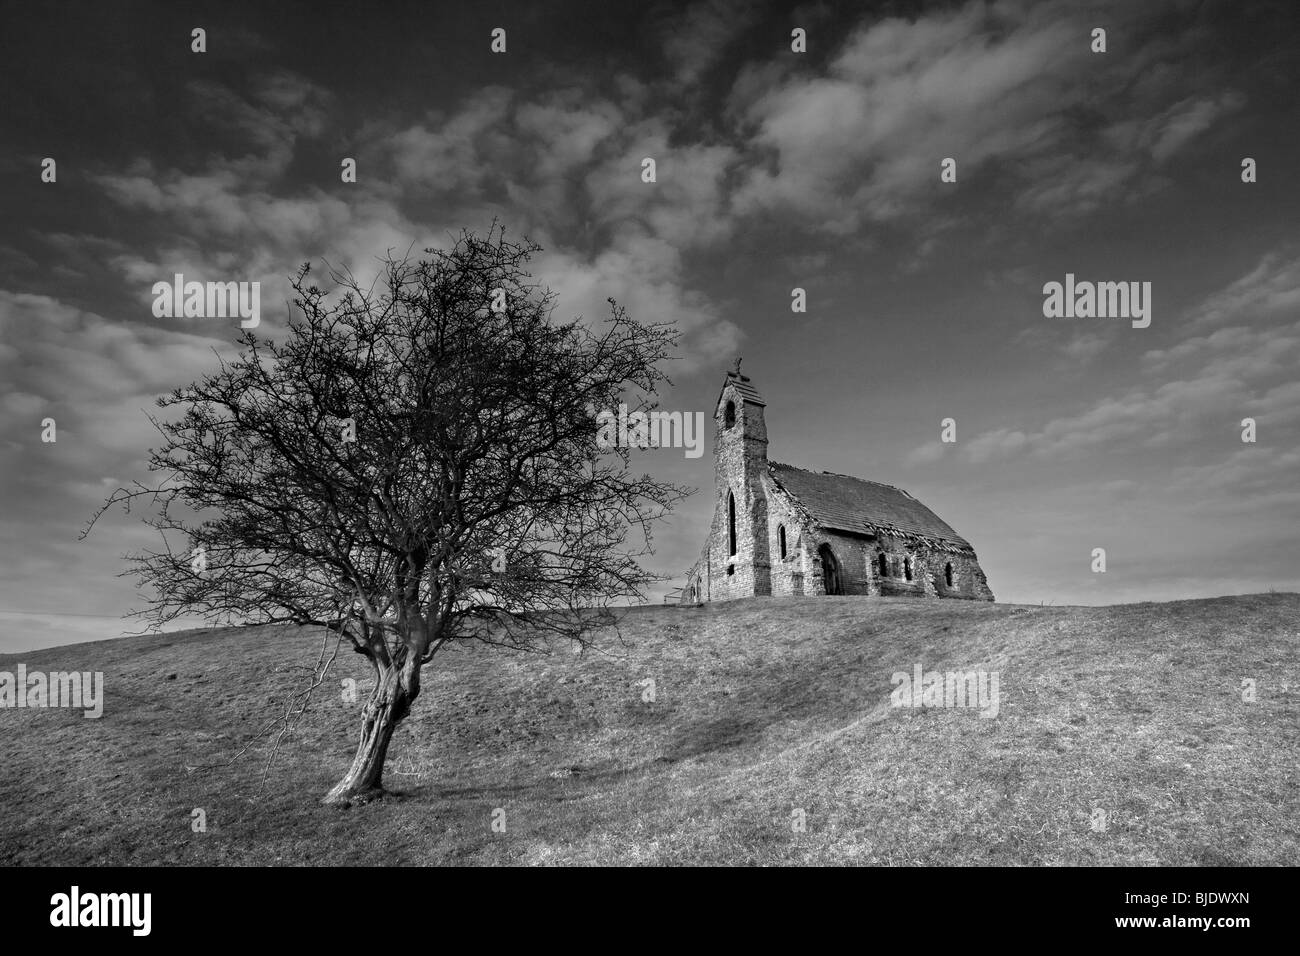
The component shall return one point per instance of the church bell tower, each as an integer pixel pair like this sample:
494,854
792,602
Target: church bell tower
740,557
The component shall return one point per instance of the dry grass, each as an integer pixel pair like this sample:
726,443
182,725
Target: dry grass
762,706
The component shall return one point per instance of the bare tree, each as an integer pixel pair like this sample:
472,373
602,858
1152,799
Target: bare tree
416,463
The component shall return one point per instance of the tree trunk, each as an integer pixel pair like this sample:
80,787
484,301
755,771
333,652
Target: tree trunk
395,689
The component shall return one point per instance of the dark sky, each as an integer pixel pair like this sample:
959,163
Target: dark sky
775,170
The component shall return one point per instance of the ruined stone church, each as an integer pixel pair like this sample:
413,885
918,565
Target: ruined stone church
781,530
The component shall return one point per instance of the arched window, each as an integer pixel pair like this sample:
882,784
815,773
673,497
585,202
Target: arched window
731,524
780,541
729,416
947,573
883,562
831,575
907,568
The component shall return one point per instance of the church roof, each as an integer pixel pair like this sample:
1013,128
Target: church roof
843,503
742,385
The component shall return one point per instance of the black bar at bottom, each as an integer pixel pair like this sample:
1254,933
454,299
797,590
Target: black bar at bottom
333,907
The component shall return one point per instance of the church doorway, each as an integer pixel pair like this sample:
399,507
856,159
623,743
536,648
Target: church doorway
831,574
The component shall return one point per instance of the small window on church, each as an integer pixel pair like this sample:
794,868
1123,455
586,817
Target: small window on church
731,524
947,573
907,568
883,562
729,416
780,541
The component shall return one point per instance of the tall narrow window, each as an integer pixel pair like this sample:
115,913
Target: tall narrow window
947,573
780,541
731,524
831,575
729,417
883,562
907,568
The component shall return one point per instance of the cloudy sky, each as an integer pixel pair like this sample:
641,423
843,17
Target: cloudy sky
775,170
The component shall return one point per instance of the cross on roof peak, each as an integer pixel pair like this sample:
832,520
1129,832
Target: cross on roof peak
735,372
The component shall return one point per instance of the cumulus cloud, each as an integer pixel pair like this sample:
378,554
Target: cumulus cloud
926,454
1221,376
97,377
695,40
1083,348
1270,290
1170,131
1007,89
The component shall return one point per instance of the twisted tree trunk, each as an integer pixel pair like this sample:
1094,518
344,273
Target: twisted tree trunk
395,689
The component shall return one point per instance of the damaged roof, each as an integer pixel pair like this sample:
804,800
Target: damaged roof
844,503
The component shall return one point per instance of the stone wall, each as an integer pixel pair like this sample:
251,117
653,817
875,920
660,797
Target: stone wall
791,574
801,573
968,580
913,568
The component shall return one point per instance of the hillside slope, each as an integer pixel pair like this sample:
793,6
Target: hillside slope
761,707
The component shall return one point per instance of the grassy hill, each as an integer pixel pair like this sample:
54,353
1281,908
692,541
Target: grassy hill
762,707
